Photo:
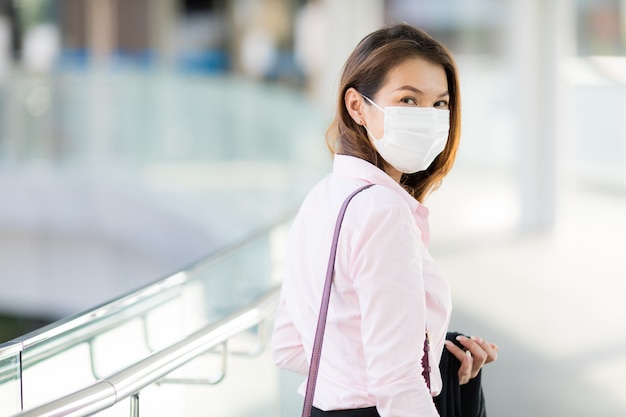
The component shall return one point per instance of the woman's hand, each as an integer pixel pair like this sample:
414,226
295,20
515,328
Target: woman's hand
478,353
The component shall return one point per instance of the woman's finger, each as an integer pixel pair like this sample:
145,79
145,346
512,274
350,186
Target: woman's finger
455,350
490,349
467,362
480,348
466,368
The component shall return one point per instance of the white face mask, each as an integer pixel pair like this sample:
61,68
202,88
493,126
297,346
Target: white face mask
412,137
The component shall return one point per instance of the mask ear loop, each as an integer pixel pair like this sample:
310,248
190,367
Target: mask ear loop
379,108
372,101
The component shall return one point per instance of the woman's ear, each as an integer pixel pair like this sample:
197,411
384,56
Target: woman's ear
353,101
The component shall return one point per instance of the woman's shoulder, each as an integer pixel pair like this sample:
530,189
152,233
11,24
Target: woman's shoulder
379,214
329,193
375,206
380,198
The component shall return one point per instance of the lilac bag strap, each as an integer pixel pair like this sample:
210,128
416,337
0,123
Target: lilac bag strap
321,321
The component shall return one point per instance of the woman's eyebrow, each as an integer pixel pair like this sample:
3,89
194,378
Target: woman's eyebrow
418,91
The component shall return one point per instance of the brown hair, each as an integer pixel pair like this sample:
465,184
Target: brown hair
365,70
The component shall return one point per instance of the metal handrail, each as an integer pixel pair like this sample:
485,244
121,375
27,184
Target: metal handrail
86,325
130,380
108,314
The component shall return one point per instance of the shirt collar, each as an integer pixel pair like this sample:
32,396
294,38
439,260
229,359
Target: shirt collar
351,166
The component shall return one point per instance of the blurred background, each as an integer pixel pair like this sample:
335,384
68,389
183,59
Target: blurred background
140,136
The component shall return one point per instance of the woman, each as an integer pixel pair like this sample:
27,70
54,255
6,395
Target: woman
397,126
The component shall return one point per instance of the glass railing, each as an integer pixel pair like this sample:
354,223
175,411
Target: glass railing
190,342
226,155
10,378
152,170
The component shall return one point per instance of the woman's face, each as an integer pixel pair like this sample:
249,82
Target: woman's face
414,82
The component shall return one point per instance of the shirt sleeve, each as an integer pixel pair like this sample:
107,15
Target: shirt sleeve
387,262
287,348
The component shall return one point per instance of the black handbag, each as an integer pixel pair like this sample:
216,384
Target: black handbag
455,400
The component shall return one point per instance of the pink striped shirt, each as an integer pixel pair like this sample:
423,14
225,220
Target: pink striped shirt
386,291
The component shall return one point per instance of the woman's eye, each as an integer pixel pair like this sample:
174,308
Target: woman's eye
441,104
409,100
